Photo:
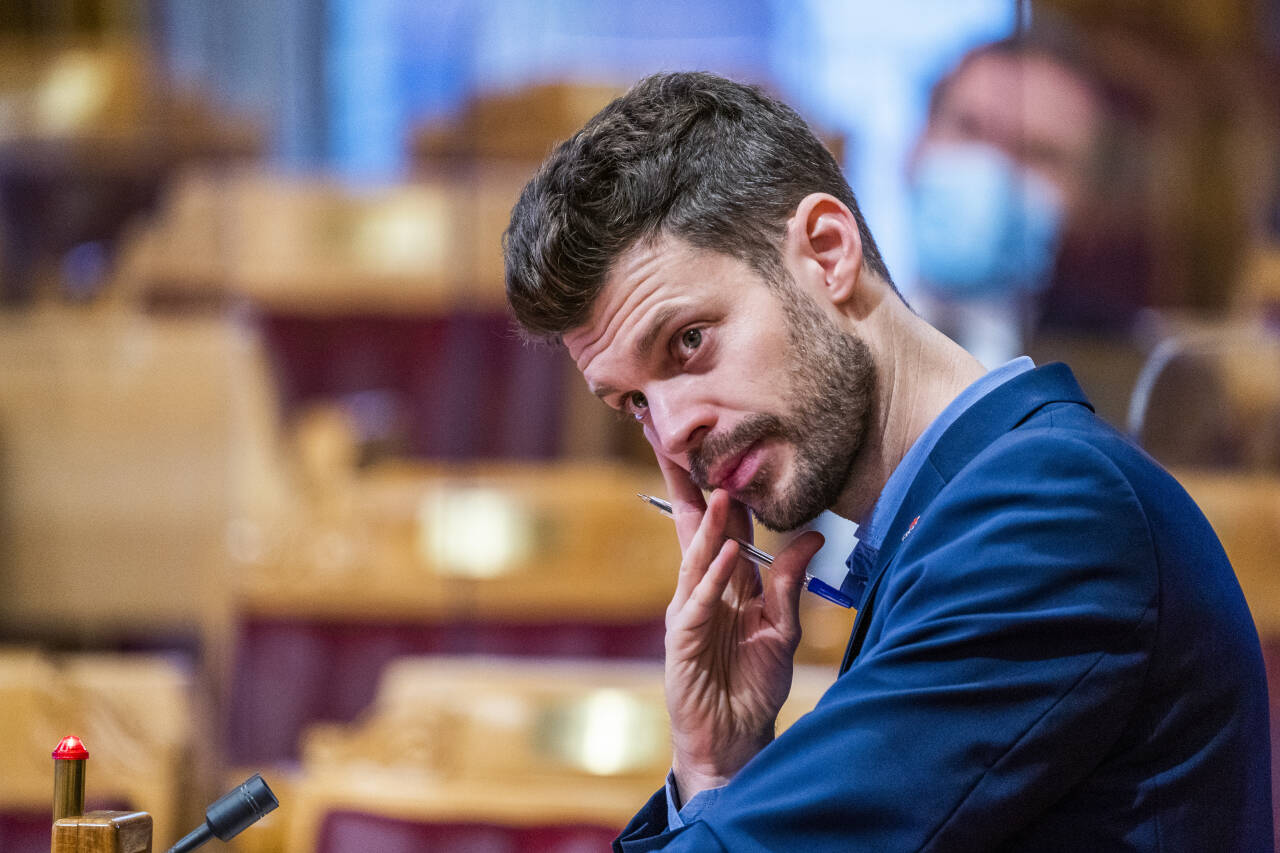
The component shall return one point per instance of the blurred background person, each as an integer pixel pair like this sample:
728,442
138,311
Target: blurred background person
1024,192
1078,193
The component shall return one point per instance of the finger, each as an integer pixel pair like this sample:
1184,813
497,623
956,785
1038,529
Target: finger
682,487
709,592
738,525
702,548
687,502
786,581
739,522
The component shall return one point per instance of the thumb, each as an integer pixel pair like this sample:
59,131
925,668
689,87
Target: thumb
786,581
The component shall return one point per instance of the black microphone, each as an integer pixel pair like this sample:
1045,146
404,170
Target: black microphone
231,814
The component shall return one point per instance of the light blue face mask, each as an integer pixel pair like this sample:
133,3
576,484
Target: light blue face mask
982,226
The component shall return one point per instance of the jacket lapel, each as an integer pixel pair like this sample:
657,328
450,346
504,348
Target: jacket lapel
982,423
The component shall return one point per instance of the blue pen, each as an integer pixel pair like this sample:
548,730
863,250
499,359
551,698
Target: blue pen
761,558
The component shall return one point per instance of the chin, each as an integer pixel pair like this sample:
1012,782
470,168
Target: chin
785,522
784,508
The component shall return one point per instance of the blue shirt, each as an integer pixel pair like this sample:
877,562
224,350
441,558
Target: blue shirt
864,553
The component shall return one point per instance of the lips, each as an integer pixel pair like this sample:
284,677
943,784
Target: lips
735,472
731,459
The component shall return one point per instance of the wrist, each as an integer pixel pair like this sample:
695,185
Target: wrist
693,774
689,783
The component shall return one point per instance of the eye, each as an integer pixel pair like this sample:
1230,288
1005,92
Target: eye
690,339
635,404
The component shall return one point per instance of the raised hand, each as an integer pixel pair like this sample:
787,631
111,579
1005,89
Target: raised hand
730,637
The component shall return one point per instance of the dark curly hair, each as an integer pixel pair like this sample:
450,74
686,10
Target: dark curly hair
716,163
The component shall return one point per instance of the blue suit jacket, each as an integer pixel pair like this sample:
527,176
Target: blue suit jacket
1055,656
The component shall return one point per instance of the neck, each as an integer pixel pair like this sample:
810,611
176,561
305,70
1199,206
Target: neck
919,371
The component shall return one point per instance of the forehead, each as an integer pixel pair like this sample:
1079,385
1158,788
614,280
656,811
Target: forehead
1007,99
652,280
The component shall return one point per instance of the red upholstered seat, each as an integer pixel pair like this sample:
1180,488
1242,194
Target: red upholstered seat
346,831
464,384
292,673
25,831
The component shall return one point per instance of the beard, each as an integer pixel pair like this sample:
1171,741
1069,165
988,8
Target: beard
832,381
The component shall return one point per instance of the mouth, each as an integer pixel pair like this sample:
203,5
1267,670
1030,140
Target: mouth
734,473
734,459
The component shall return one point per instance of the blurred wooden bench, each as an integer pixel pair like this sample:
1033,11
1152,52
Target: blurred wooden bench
318,247
415,558
498,747
519,542
395,290
134,714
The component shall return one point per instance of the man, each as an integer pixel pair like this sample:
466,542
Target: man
1037,156
1051,650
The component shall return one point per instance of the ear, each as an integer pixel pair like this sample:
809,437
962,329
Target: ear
823,239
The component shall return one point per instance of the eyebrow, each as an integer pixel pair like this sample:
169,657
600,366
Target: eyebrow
644,345
603,391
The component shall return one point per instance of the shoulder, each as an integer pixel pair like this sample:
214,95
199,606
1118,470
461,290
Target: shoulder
1044,519
1066,441
1061,479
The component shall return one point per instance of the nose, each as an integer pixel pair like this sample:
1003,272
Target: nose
678,419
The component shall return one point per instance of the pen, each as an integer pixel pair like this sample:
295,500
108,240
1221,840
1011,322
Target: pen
815,585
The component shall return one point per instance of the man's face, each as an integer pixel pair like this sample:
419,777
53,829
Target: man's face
1035,110
749,387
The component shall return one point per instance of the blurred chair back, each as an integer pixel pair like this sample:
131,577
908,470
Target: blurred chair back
1207,404
1210,397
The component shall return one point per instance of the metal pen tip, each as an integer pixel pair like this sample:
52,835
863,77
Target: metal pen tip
656,503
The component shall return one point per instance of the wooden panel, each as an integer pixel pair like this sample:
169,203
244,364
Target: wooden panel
521,125
103,832
512,543
126,443
305,244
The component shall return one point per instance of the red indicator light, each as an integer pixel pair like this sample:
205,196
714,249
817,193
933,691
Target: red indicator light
71,748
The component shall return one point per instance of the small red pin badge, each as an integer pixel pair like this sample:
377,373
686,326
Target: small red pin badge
910,527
